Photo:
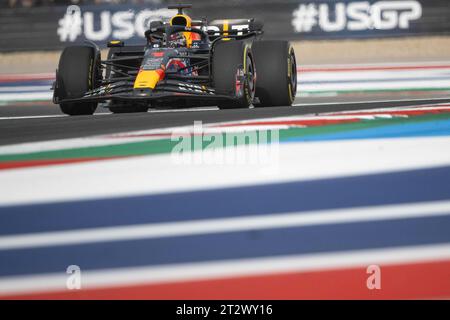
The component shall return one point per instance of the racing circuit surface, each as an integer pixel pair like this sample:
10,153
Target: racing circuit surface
359,178
37,122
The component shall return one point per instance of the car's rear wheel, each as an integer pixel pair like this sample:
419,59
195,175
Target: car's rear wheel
234,73
78,71
277,73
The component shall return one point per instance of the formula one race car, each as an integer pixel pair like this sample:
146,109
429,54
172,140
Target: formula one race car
185,63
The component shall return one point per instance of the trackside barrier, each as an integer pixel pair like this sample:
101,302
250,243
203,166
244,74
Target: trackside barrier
50,28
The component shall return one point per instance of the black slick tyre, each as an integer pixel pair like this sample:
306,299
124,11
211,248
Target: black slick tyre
234,73
78,72
277,73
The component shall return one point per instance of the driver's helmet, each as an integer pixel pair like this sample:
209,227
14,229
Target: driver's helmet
177,40
185,21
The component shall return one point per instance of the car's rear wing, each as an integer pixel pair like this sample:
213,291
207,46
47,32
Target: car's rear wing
233,27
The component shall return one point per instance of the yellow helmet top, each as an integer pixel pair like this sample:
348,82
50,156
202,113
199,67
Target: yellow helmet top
185,21
181,20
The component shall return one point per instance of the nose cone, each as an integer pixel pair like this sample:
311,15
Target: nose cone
148,79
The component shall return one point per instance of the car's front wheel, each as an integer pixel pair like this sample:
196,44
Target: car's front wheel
78,71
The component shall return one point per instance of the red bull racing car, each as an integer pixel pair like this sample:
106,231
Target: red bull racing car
184,63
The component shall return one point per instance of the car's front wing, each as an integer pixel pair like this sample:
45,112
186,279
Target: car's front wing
169,89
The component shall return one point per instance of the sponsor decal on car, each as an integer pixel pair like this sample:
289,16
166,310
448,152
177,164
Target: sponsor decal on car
240,80
195,88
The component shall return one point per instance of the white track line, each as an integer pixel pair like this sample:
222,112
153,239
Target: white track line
26,88
210,226
46,116
34,117
261,119
377,64
378,85
28,96
148,275
105,113
184,110
372,101
365,76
